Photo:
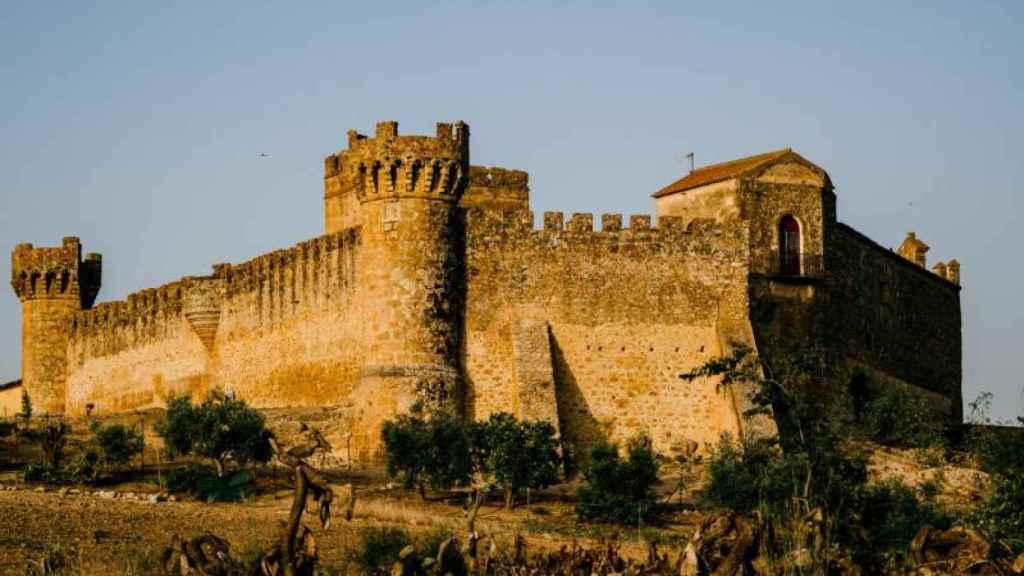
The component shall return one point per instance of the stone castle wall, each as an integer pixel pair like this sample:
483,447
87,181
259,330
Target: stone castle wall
287,334
898,319
432,286
625,311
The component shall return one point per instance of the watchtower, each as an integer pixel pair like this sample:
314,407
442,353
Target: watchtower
51,283
408,189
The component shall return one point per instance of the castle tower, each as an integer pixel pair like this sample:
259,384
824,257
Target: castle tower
408,188
51,284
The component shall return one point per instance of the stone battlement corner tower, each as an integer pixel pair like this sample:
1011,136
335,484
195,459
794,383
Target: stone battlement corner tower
51,283
403,191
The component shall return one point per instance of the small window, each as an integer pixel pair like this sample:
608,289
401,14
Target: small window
789,246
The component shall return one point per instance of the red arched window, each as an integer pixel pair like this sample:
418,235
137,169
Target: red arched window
789,246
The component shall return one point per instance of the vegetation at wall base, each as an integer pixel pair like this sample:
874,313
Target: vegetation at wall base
220,429
1001,515
115,444
810,485
422,450
440,451
205,485
894,417
618,490
515,455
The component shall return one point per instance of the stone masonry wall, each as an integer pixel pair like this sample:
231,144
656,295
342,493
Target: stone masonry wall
896,317
286,335
629,309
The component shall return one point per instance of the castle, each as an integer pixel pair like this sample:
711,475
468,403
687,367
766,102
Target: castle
431,284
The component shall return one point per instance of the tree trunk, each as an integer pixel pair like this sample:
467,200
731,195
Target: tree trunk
510,498
288,541
423,490
220,467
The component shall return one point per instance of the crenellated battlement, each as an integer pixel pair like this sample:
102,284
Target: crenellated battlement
389,165
582,224
56,272
138,310
278,282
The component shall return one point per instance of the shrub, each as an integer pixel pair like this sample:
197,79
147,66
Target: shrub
423,451
895,515
85,467
204,483
896,418
738,472
442,452
379,548
618,490
999,452
516,455
116,444
218,429
52,438
1002,513
26,405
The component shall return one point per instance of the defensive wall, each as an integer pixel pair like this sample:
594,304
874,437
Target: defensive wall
281,330
623,311
432,285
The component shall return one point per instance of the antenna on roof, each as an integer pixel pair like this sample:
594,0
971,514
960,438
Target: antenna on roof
688,156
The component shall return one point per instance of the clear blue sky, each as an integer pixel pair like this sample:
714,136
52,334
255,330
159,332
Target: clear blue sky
137,125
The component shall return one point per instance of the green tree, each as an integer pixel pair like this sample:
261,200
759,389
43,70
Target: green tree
616,489
221,429
116,444
999,449
516,455
896,418
809,467
424,450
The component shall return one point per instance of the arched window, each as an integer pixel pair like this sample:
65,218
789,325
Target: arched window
789,246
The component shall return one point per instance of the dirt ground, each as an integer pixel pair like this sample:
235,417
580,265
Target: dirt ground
99,535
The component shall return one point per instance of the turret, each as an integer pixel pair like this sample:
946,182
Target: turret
914,250
51,284
408,188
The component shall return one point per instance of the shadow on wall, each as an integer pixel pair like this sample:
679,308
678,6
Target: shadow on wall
579,429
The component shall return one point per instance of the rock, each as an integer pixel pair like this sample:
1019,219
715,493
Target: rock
950,551
40,489
1018,564
64,491
155,498
128,496
172,498
722,545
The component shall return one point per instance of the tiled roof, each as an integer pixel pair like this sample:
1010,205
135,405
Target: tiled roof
720,172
